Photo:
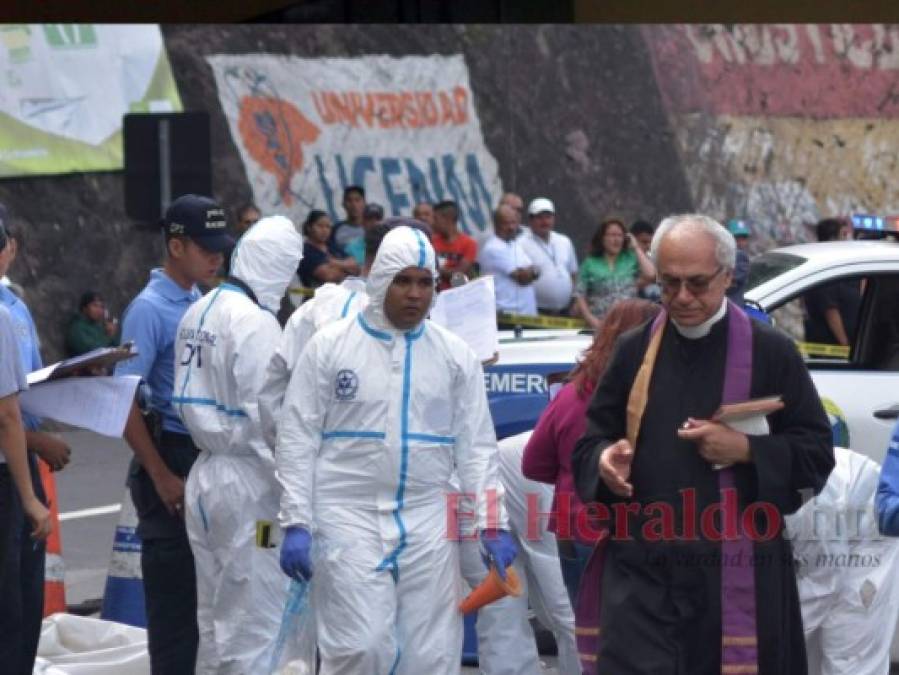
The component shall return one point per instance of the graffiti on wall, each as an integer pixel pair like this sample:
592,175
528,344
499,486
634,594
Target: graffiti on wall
783,124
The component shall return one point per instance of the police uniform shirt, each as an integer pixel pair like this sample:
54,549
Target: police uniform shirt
151,322
12,377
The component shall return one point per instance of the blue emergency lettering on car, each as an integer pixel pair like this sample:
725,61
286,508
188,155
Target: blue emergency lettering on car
514,382
517,395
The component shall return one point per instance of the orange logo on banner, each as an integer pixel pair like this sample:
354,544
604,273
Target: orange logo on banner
273,132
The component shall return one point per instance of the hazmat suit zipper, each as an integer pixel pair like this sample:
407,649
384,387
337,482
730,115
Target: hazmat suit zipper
391,561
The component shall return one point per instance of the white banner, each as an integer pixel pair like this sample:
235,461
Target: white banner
65,87
405,129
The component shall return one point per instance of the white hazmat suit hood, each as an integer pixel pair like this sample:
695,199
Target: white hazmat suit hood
402,247
266,258
222,347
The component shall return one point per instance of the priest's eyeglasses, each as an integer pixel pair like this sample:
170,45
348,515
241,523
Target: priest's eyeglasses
697,285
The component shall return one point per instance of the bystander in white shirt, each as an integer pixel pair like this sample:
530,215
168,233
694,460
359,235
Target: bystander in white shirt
500,258
557,261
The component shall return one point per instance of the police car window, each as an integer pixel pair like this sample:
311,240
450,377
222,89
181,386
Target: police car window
770,265
879,346
824,320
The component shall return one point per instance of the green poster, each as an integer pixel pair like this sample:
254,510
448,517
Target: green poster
65,87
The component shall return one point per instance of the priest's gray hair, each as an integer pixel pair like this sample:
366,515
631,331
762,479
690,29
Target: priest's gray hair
725,245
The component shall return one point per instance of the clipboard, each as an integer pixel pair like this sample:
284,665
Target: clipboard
102,357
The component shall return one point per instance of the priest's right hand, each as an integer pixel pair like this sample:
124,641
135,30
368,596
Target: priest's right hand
615,467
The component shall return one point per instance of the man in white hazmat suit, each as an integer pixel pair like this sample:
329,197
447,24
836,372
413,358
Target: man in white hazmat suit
330,303
222,347
380,410
506,643
846,572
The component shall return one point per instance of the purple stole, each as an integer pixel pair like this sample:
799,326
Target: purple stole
739,643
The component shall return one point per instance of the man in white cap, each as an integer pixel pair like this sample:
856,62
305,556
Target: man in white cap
553,253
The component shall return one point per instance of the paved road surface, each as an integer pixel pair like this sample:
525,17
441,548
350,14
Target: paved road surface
95,478
89,491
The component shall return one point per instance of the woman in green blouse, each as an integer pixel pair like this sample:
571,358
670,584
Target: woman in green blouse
610,272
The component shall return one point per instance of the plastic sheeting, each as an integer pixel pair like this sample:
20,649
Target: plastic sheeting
294,652
77,645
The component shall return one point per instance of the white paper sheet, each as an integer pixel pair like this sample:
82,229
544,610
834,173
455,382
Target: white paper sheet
100,404
469,311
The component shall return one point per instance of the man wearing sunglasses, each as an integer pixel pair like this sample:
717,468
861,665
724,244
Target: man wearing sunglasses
696,576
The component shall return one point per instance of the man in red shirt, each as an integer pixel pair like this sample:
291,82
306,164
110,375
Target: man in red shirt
456,251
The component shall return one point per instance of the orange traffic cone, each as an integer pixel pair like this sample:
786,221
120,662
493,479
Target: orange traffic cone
490,589
55,569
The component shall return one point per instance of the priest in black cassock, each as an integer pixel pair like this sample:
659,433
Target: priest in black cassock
695,577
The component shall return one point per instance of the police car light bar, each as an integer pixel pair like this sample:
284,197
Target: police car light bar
861,221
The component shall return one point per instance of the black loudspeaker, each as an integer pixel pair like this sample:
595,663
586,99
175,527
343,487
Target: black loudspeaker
166,155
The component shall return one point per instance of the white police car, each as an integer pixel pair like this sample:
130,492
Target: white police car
859,386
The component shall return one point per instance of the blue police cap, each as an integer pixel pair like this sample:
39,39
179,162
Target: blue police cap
200,218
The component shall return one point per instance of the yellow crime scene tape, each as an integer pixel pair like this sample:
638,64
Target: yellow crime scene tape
564,322
525,321
301,290
819,349
540,321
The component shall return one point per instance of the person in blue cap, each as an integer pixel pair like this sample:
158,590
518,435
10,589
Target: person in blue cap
740,230
195,239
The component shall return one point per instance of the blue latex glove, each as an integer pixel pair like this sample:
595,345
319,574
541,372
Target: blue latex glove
296,553
501,549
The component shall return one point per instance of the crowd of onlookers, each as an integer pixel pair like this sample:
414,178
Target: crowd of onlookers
535,267
537,270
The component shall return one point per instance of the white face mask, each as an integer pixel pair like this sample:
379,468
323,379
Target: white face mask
696,332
